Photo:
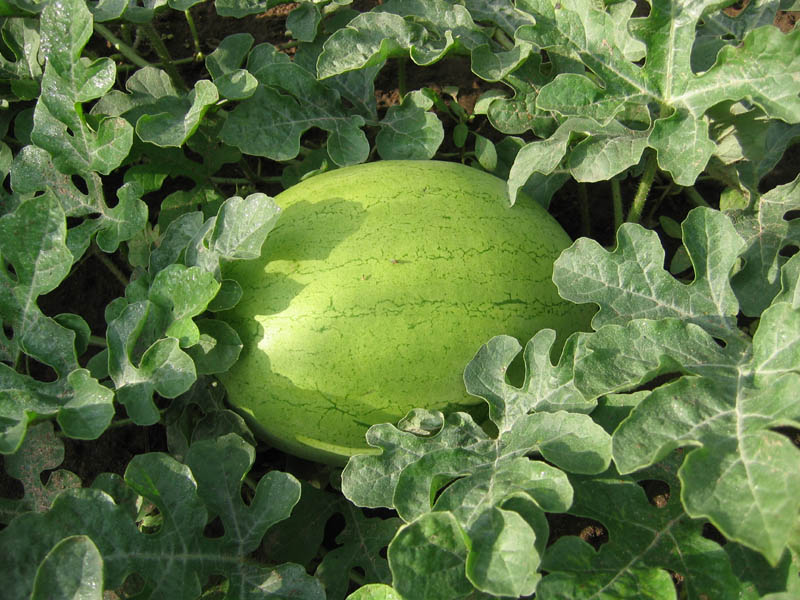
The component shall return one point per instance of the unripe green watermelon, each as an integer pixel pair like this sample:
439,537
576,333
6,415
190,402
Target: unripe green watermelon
377,286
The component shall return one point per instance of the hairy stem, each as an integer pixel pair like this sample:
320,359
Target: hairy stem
635,213
244,180
248,171
401,77
586,217
616,199
198,53
163,54
123,48
129,421
176,61
96,340
694,196
501,38
287,45
654,206
114,269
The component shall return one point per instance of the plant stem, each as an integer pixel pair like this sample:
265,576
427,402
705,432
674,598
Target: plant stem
96,340
654,206
198,53
586,217
244,180
287,45
115,271
161,49
230,180
125,32
123,48
694,196
248,171
357,577
501,38
616,198
125,422
177,61
635,213
401,77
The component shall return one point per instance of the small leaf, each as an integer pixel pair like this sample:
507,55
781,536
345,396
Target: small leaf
107,10
572,94
126,219
460,135
185,291
217,349
494,66
427,559
485,152
72,570
242,8
32,240
41,451
162,366
359,547
90,409
230,292
603,152
374,591
505,560
371,480
229,55
86,404
409,131
177,236
683,146
790,282
766,232
670,226
179,116
201,199
170,370
144,12
573,442
243,225
303,21
236,85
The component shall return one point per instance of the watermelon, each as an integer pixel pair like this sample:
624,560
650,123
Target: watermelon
375,289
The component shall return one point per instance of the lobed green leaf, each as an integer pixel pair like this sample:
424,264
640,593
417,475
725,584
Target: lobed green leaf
630,282
644,544
608,84
767,231
177,559
68,81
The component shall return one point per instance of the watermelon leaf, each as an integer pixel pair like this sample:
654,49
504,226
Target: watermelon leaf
186,500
